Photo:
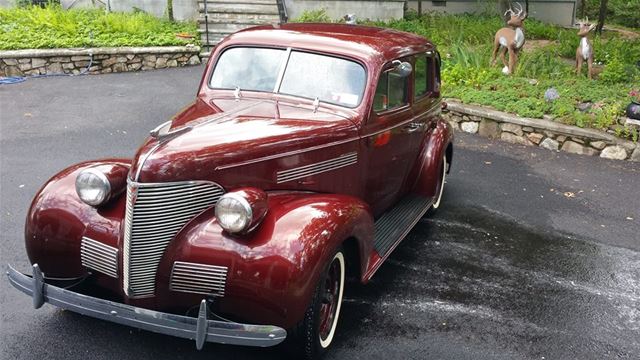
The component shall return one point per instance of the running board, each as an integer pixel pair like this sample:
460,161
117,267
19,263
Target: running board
396,223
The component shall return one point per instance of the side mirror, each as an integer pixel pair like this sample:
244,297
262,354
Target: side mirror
402,68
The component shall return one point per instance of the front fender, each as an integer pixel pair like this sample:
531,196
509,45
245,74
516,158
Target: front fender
57,220
433,149
273,271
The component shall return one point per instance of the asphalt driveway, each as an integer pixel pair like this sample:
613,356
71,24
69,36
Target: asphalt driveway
534,255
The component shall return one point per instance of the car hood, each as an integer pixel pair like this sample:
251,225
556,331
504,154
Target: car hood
231,133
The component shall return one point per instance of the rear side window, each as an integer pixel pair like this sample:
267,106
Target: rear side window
421,80
391,92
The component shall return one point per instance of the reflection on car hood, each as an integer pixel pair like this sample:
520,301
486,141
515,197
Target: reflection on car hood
245,131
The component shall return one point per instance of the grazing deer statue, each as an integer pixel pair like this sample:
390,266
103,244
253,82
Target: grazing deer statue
510,39
585,50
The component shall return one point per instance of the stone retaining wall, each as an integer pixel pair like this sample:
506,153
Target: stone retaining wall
539,132
95,60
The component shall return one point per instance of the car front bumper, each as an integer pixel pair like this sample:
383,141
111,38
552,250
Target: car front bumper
199,329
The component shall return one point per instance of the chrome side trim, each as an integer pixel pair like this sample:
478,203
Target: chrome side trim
99,257
198,278
290,153
316,168
199,328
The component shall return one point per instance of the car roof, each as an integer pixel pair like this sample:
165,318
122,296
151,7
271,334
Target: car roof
365,42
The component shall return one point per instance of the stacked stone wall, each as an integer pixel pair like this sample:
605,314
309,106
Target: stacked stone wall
539,132
95,60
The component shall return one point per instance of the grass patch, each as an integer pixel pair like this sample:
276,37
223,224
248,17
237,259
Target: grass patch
33,27
465,43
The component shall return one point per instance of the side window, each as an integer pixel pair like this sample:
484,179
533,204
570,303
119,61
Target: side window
421,76
391,92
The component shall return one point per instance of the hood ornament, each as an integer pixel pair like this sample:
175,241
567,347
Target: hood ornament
236,93
163,131
316,104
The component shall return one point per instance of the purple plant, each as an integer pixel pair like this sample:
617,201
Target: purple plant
551,95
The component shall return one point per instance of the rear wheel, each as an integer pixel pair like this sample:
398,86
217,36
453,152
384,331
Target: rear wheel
440,189
314,334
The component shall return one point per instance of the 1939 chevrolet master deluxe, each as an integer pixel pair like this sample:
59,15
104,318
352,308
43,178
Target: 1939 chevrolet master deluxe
311,150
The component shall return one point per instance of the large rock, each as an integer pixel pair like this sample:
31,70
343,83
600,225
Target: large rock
12,71
119,67
161,63
636,155
575,148
10,62
550,144
194,60
489,128
108,62
37,62
535,137
172,63
54,68
514,139
512,128
598,145
469,126
614,152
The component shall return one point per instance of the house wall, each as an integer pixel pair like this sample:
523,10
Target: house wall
336,9
561,12
182,9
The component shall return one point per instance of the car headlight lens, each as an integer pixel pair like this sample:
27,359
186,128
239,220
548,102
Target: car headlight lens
93,187
234,213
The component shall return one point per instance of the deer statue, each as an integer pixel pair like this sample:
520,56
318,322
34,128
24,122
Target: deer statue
584,52
510,39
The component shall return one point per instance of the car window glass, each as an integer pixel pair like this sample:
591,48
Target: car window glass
421,77
391,92
330,79
248,68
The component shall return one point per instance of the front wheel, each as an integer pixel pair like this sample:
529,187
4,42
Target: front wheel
314,334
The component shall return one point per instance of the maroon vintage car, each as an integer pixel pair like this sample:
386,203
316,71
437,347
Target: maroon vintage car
310,152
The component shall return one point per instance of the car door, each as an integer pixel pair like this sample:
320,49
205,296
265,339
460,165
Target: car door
386,140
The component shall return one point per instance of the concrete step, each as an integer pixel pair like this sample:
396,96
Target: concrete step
227,27
250,21
239,18
258,2
239,8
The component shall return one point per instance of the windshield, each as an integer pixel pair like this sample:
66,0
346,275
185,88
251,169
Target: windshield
327,78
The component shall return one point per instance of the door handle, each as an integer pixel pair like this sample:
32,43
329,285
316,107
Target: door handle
412,127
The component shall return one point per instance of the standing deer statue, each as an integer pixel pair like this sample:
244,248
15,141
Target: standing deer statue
510,38
584,52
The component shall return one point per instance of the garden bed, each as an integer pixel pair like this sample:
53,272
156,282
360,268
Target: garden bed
51,27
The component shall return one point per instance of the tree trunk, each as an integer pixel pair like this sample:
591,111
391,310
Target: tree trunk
170,9
602,16
503,5
526,6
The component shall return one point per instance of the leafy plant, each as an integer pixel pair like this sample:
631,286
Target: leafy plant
53,27
314,16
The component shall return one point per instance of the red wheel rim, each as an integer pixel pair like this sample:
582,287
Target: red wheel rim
329,299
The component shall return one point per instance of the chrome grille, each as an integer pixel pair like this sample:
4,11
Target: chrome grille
198,278
99,257
155,213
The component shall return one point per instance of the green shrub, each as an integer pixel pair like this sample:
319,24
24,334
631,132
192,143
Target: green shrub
52,27
313,16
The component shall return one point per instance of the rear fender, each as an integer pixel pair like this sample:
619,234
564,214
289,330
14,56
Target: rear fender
434,147
273,271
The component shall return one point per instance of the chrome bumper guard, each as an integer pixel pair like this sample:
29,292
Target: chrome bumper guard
199,329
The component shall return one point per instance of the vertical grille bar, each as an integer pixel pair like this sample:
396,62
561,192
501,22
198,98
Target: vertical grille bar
155,213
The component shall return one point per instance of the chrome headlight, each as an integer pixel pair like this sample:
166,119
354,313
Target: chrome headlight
234,213
93,187
242,210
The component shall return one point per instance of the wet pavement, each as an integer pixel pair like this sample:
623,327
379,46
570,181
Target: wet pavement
534,254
